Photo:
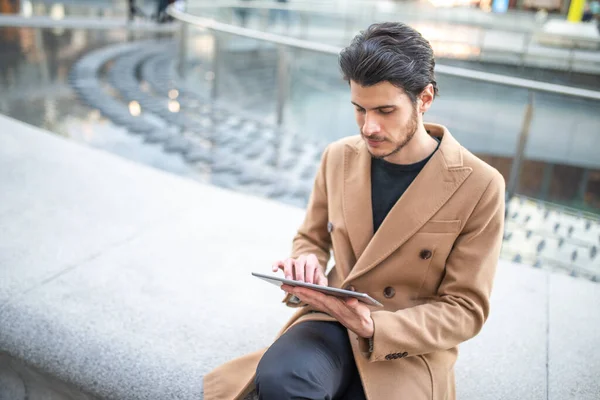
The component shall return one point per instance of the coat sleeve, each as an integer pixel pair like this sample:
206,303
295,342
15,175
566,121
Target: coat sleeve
462,304
312,236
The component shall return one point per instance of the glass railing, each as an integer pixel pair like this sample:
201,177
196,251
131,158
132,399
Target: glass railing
542,137
519,40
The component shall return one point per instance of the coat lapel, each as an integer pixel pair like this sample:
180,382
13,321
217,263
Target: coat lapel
358,210
432,188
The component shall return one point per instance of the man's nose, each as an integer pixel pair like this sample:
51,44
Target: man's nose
370,127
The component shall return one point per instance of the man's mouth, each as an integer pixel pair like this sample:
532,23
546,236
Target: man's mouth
374,142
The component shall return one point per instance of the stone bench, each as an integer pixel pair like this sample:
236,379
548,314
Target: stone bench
123,282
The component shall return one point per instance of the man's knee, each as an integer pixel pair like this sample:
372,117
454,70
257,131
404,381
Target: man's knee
279,380
267,374
310,361
269,379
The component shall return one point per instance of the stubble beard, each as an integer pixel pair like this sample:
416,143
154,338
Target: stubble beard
412,129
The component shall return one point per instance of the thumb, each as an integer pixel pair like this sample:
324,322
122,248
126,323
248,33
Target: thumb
351,302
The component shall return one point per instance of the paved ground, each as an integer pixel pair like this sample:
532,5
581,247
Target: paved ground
133,283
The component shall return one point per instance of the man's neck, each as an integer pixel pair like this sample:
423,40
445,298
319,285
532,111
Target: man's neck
419,148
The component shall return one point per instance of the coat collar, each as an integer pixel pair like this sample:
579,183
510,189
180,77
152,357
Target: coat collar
433,187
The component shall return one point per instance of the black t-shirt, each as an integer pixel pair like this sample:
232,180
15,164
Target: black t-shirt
389,182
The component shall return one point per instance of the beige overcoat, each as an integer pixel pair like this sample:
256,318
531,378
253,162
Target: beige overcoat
431,263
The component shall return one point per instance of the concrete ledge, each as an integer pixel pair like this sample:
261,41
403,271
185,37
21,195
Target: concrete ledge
128,283
20,382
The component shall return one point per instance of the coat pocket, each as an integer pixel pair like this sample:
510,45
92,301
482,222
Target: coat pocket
437,226
436,250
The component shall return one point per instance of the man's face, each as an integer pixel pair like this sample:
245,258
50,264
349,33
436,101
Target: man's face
386,116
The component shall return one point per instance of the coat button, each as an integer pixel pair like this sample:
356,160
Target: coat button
389,292
425,254
329,227
351,288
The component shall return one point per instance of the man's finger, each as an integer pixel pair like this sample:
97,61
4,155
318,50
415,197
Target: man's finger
309,273
277,266
311,296
306,299
288,268
319,304
321,278
313,263
299,268
331,304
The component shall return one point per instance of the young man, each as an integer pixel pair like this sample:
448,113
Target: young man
413,219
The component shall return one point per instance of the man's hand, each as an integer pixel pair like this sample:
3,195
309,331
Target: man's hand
349,312
303,269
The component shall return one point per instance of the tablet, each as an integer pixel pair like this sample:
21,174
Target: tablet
275,280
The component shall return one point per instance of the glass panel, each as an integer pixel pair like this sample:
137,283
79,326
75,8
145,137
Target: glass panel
319,99
246,75
484,117
199,70
249,152
565,130
240,72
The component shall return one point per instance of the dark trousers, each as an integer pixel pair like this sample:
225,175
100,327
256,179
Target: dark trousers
312,360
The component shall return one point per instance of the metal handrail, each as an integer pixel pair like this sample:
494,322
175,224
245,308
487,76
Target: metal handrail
518,82
211,24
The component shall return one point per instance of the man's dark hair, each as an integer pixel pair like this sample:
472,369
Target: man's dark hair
393,52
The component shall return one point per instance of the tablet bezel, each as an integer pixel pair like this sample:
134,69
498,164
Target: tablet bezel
278,281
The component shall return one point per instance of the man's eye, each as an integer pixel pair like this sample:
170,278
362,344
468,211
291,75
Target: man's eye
386,111
360,110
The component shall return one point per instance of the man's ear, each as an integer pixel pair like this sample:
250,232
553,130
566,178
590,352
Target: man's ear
426,98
